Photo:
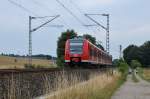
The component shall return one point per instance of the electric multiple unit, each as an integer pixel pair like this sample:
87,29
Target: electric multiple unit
81,51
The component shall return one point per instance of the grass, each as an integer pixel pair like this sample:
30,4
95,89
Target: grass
14,62
134,78
73,86
98,87
58,82
144,73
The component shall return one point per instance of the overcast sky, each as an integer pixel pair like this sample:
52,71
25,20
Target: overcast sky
129,23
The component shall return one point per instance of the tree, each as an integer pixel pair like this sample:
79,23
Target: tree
93,40
141,54
100,46
135,64
131,53
69,34
90,38
115,62
122,66
145,53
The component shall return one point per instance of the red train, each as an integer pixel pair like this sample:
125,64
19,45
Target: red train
81,51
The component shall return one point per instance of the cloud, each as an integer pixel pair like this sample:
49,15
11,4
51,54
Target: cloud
91,3
143,29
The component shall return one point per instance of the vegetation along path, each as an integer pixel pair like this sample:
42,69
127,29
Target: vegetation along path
132,90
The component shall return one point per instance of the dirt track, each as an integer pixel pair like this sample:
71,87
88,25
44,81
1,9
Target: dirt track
132,90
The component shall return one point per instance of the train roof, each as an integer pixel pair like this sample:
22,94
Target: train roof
82,39
77,38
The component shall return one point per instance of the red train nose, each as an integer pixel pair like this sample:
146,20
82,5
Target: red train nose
76,55
75,59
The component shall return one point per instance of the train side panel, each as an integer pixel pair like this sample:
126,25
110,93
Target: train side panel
67,51
85,53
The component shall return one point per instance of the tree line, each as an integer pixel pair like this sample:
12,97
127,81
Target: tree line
138,54
38,56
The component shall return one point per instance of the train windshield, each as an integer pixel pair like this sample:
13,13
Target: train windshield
76,46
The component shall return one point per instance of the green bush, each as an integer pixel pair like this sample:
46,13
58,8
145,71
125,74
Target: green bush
123,68
27,66
135,64
60,62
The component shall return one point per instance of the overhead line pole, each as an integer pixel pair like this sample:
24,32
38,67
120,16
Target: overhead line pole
33,30
30,42
120,51
104,27
107,34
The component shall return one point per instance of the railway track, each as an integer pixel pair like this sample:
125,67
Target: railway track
5,71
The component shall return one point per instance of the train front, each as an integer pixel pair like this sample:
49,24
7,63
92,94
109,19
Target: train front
74,51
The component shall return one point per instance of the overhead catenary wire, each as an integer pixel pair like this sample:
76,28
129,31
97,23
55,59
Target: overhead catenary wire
69,11
78,8
48,10
22,7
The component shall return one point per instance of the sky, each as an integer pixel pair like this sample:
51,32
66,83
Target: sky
129,23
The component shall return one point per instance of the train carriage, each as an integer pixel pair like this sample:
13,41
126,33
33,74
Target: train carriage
82,51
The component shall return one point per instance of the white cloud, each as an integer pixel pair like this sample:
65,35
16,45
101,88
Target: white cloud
91,3
142,29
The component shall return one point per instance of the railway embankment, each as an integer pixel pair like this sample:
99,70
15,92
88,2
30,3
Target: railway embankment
97,87
16,84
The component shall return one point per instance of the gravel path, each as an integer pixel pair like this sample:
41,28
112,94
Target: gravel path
132,90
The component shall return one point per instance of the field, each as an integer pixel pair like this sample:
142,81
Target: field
146,74
14,62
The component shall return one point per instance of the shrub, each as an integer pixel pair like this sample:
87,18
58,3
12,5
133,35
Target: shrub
27,66
135,64
123,68
60,62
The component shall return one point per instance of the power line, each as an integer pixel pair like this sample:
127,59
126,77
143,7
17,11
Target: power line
48,9
69,11
78,8
105,28
21,7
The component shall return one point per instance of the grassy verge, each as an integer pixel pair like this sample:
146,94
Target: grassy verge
99,87
134,78
109,90
144,73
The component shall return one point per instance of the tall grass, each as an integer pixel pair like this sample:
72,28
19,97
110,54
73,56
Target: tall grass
62,85
29,85
144,73
100,86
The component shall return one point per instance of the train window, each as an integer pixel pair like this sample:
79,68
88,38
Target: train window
76,46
